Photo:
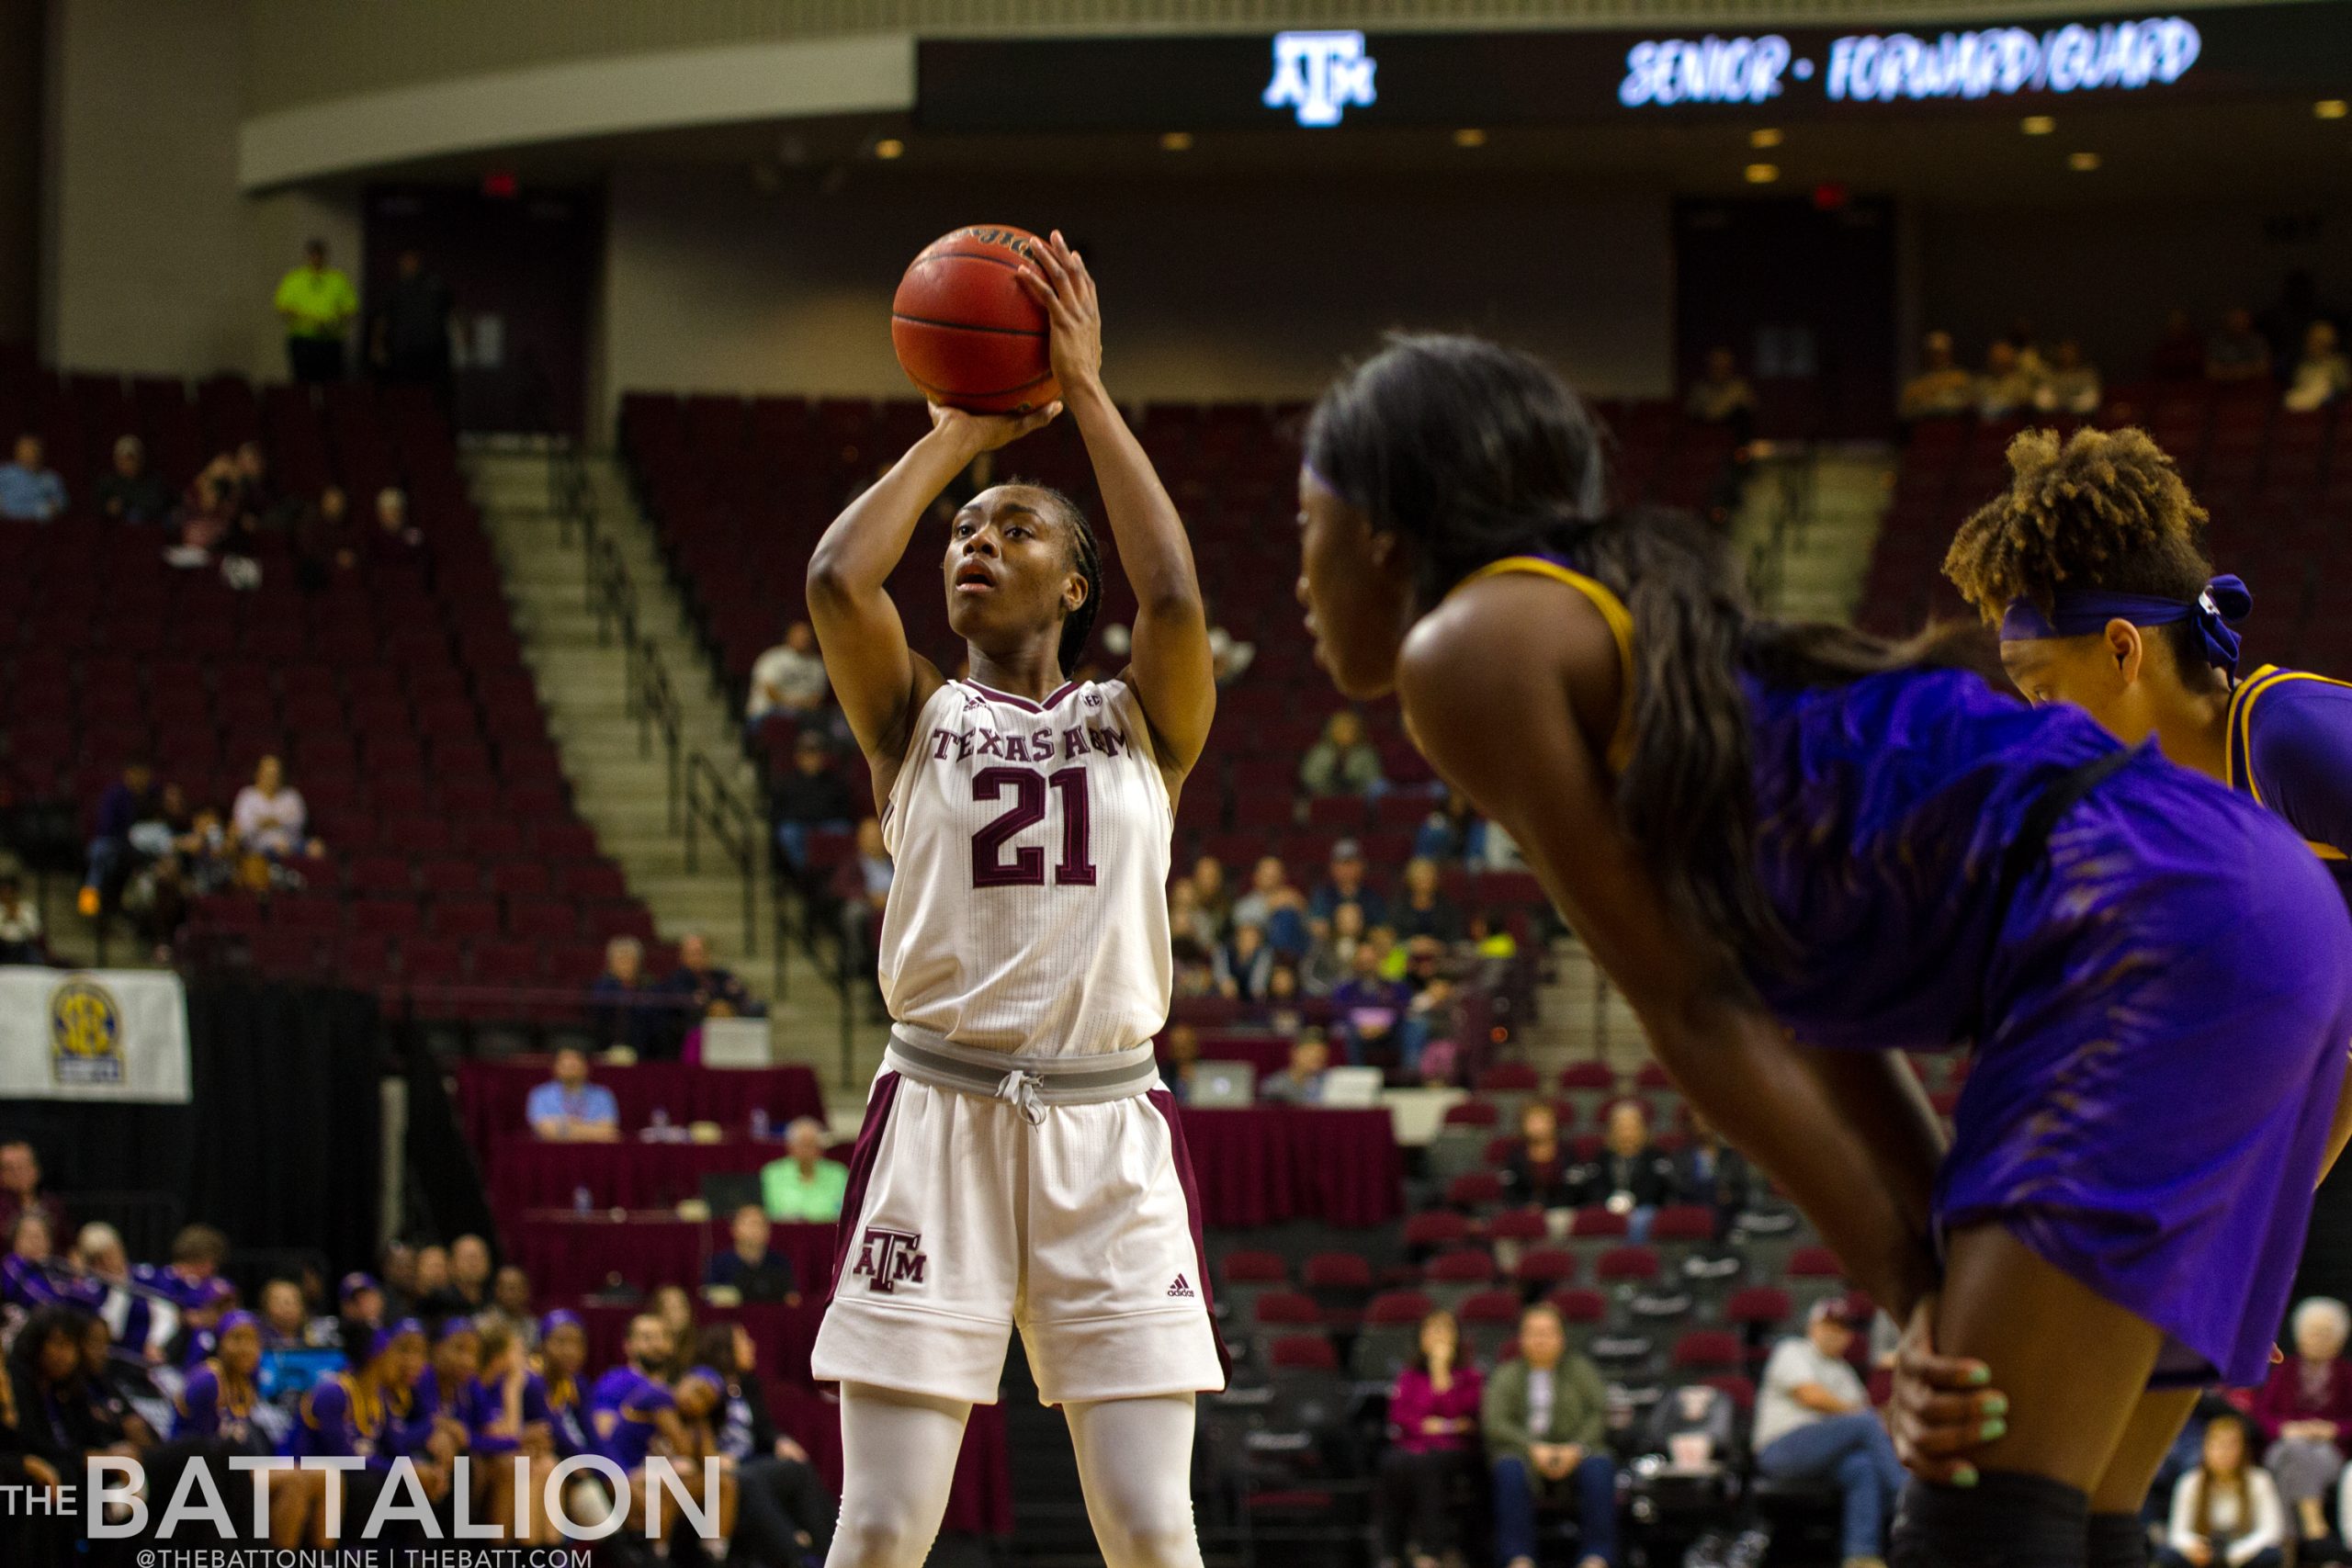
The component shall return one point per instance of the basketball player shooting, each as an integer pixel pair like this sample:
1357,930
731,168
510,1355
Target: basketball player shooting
1018,1164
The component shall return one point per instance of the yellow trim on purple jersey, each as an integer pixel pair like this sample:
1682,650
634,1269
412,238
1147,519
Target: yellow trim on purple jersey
2238,747
1621,628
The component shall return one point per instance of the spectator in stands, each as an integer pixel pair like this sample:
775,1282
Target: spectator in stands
2323,373
1632,1175
750,1267
1182,1056
54,1421
1245,965
626,1009
2068,385
1211,897
789,678
469,1271
323,544
1300,1082
105,1264
804,1187
316,302
25,1267
409,343
130,490
1342,762
20,1189
2225,1513
1712,1172
1346,885
787,1514
1368,1010
1489,937
359,1311
2179,354
2287,323
1815,1425
285,1318
31,490
811,798
1432,1423
862,886
2304,1413
1453,833
1544,1415
128,801
675,1308
510,1307
2237,352
395,541
1282,1009
1722,395
399,1287
1942,389
1273,903
1422,908
1538,1171
701,983
269,817
20,928
1331,960
1191,927
2009,385
115,1425
261,507
1433,1026
568,1109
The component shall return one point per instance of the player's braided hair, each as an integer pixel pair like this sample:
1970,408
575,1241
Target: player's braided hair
1086,554
2104,509
1472,452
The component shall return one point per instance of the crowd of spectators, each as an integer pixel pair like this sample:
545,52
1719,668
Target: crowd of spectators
659,1017
441,1354
2294,350
152,850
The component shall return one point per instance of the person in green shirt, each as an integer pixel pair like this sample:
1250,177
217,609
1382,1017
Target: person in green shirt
804,1185
1544,1417
317,303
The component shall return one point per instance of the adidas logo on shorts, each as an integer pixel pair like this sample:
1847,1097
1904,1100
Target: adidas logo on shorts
1183,1287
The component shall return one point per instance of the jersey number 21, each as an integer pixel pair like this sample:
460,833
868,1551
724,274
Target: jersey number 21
1027,868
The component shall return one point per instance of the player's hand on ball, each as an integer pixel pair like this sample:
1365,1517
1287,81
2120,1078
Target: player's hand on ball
1057,279
1943,1409
978,433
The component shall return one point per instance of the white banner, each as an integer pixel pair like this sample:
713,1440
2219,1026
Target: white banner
93,1035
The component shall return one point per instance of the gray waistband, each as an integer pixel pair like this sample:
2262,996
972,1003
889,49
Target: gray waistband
1030,1084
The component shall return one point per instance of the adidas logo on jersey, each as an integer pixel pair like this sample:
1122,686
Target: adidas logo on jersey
1183,1287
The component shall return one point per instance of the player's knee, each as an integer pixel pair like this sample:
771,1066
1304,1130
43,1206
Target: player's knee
872,1536
1151,1543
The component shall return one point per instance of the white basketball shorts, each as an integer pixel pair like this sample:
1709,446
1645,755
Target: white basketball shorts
962,1220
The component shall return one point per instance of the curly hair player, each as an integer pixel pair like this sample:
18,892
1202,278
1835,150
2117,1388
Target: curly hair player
1018,1163
1798,851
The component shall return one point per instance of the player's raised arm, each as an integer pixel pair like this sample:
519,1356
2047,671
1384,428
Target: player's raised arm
1171,668
881,681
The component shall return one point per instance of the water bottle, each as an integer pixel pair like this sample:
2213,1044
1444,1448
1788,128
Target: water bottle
759,1123
582,1200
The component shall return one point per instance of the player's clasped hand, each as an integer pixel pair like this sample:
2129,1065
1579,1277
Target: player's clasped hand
1944,1408
978,433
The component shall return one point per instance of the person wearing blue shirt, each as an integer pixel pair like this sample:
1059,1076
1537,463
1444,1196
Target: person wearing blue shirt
1347,885
30,491
568,1109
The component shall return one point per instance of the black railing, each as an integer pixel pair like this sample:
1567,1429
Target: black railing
712,803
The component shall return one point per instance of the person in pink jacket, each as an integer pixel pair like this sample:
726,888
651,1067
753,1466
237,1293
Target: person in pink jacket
2305,1413
1433,1430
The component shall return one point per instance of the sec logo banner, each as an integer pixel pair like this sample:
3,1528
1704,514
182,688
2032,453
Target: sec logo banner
85,1034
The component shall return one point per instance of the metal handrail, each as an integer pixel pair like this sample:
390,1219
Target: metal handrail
711,801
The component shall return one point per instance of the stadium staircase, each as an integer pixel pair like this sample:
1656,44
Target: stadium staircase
607,642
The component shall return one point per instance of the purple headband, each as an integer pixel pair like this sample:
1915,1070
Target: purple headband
391,1332
560,1318
235,1321
2078,612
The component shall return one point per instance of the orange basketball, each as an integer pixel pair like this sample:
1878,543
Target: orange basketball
967,334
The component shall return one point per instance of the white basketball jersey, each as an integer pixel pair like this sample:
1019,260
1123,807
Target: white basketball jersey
1028,909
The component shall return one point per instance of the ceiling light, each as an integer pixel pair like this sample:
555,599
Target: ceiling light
1469,136
2037,125
2082,163
1767,137
2331,108
1176,141
1763,173
889,147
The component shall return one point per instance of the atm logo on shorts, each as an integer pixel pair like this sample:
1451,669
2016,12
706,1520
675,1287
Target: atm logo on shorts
888,1260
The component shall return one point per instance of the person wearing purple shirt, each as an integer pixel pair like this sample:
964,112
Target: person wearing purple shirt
1433,1424
367,1413
219,1399
563,1350
33,1276
1368,1009
632,1408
